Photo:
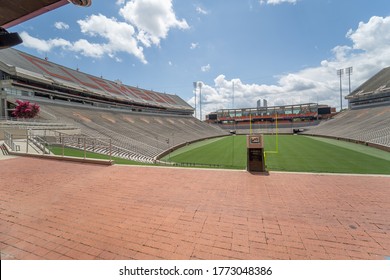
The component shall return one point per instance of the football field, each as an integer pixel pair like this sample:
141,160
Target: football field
293,153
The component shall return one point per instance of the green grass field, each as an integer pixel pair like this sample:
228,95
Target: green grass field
295,153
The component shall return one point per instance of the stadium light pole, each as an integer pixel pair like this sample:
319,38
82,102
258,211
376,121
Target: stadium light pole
195,87
349,73
200,100
340,73
233,97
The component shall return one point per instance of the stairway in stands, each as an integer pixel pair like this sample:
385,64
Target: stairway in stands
4,150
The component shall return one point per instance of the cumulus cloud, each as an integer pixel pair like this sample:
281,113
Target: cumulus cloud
205,68
145,23
119,35
61,25
194,46
32,42
152,18
367,53
276,2
89,49
201,11
43,45
371,35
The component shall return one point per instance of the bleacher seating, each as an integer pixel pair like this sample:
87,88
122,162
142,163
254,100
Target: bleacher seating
374,92
23,66
367,121
137,136
367,125
379,82
140,124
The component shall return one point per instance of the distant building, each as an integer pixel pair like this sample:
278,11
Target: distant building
263,104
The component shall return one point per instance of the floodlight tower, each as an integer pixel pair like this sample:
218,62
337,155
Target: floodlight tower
340,73
195,87
200,100
348,71
233,97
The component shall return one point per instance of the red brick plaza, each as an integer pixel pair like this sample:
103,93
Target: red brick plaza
60,210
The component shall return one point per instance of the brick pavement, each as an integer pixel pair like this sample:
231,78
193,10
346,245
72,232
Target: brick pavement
60,210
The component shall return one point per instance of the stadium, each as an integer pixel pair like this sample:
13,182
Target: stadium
113,171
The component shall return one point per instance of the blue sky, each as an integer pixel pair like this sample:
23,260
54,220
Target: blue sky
285,51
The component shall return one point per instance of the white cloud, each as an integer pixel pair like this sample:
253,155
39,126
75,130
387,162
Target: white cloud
81,46
89,49
61,25
119,35
199,10
205,68
152,18
371,35
368,53
194,46
42,45
35,43
147,22
276,2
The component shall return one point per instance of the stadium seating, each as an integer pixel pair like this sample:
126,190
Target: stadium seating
136,136
39,70
366,125
269,127
140,124
377,83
